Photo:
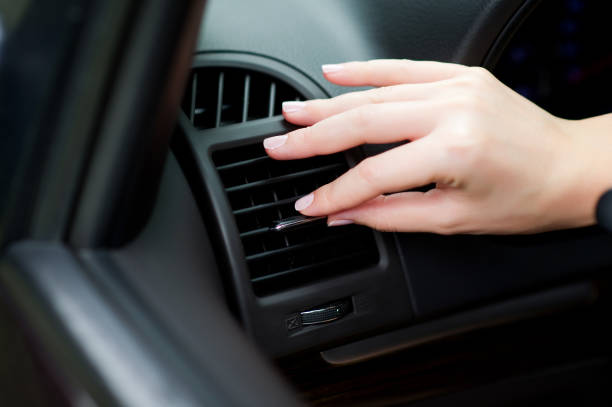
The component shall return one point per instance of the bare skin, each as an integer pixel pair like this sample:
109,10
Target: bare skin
501,164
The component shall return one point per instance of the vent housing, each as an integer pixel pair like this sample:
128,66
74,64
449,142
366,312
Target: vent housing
219,96
277,277
261,190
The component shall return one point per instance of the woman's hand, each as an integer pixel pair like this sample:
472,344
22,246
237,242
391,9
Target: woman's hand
501,164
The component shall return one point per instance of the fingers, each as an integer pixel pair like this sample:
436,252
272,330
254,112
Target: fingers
397,80
372,124
433,211
386,72
405,167
312,111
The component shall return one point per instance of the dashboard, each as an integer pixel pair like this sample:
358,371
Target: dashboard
413,288
392,280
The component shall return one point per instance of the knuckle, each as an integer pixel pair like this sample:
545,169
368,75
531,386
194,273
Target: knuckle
324,196
383,224
379,95
462,83
469,103
405,66
448,223
306,139
361,117
467,146
368,172
462,105
374,96
479,74
340,99
468,126
303,135
370,68
376,217
316,106
459,86
468,150
474,79
380,220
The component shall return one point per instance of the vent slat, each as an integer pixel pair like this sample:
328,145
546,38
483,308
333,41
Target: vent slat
281,260
219,107
274,204
261,191
194,89
307,267
220,96
292,248
272,99
283,178
254,232
245,97
242,163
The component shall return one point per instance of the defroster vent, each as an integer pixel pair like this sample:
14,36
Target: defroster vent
219,96
262,190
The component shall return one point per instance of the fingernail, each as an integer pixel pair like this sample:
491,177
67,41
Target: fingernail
304,202
340,222
290,107
274,142
331,68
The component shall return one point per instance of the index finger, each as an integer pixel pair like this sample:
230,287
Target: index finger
370,124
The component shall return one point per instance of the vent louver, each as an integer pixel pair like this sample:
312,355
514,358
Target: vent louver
218,97
262,190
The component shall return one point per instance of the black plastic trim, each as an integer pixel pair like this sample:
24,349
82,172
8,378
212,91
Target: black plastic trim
276,68
510,28
584,383
380,293
529,306
492,19
119,357
128,155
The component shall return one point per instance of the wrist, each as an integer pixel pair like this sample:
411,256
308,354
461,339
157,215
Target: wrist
590,161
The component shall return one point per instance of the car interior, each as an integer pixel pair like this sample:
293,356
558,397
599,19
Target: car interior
139,260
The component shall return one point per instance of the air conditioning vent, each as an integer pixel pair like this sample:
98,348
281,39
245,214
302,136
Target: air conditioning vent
223,96
262,190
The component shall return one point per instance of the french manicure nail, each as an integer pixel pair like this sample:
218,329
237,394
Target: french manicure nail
291,107
340,222
274,142
304,202
331,68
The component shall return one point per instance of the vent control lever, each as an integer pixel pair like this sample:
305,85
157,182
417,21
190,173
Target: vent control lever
293,222
325,313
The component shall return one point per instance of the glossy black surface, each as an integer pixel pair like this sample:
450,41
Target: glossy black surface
561,58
